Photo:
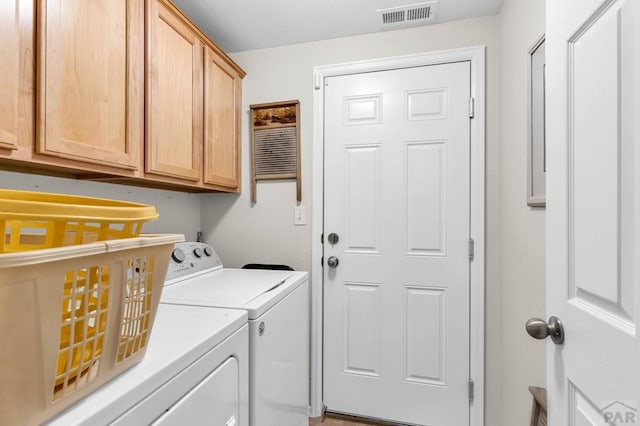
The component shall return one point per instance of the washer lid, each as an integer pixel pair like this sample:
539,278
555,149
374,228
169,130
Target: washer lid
255,290
180,336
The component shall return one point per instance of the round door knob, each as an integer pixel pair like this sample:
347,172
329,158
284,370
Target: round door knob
539,329
333,262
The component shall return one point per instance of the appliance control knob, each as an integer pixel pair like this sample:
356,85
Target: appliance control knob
197,252
178,255
208,251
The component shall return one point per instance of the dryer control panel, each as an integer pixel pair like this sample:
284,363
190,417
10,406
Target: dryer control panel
192,257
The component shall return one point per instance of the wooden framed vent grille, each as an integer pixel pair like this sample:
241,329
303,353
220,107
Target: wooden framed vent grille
275,144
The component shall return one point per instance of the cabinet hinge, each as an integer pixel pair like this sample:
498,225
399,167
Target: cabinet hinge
472,107
471,390
471,248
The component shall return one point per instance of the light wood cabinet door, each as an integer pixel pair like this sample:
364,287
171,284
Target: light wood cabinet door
90,81
222,104
16,73
174,96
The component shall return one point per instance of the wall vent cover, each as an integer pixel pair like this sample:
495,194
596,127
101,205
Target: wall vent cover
408,15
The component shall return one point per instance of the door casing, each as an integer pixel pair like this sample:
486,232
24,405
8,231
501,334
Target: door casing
476,55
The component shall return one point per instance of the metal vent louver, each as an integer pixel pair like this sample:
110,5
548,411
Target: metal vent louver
419,13
412,14
393,17
275,151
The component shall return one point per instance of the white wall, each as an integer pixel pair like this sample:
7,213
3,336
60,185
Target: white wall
179,212
522,230
265,232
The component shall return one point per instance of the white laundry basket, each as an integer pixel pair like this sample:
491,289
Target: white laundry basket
72,318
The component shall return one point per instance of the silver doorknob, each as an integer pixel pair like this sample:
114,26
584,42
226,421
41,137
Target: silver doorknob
333,262
539,329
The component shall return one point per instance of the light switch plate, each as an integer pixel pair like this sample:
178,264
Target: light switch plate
300,216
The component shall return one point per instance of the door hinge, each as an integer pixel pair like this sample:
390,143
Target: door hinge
322,261
321,238
472,107
471,390
317,84
472,248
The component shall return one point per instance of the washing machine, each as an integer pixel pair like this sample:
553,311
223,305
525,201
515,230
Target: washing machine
277,305
195,371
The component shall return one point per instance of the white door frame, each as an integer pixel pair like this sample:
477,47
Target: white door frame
476,55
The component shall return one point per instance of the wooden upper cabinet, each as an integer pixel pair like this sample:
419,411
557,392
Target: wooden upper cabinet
174,95
90,81
222,105
117,90
16,74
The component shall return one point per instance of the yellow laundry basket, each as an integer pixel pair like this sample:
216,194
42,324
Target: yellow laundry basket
72,318
37,220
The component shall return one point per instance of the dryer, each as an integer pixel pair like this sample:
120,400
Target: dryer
277,304
195,369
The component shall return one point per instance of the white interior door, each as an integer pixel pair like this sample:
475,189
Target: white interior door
396,307
593,210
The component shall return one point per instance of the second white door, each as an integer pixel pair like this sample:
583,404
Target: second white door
593,211
397,185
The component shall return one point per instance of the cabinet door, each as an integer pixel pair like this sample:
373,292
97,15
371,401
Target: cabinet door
174,96
90,80
222,103
16,73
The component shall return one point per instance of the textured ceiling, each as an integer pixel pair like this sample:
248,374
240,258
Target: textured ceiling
238,25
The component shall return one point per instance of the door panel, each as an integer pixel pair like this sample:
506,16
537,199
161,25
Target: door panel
90,81
425,232
362,334
16,69
396,332
362,185
593,194
174,103
424,342
222,105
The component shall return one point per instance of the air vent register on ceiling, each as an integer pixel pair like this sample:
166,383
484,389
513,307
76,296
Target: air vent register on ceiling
408,15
